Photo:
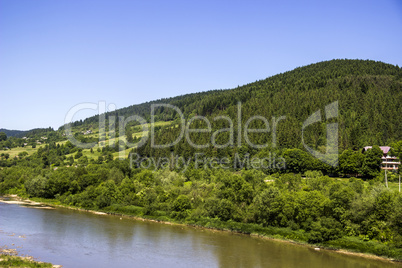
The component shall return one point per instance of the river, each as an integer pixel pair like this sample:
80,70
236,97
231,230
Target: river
80,239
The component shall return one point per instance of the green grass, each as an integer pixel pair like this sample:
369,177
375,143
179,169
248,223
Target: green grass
15,151
125,155
87,152
137,133
394,186
356,244
95,133
16,261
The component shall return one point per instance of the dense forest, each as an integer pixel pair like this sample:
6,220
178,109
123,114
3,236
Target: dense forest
13,133
368,92
346,205
368,95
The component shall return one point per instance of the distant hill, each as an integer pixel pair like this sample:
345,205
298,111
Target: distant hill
27,133
13,133
369,95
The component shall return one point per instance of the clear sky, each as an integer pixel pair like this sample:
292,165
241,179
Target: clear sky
57,54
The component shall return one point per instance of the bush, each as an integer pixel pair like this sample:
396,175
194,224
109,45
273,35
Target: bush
324,230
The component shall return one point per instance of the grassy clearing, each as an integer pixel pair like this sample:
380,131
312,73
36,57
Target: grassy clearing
391,185
125,155
137,133
15,151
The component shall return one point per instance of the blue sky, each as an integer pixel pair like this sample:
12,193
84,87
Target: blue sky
57,54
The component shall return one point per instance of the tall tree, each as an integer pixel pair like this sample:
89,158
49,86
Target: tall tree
372,162
3,136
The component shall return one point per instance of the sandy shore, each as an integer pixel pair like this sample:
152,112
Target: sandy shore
26,202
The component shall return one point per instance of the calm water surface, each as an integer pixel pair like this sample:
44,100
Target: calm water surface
80,239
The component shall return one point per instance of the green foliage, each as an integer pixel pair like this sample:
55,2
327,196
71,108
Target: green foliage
281,203
351,162
317,208
129,135
83,160
291,182
325,229
78,154
368,92
313,174
267,205
357,244
181,204
36,186
107,194
3,136
22,154
396,150
17,261
298,161
70,161
372,162
222,209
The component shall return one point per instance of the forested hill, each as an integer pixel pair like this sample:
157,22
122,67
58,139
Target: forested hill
13,133
235,185
369,95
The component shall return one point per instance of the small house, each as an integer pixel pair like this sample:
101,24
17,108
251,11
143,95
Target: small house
388,162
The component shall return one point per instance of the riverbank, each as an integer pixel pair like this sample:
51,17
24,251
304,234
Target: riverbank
9,258
17,261
273,233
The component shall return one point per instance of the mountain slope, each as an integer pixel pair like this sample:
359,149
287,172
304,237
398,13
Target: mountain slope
369,94
13,133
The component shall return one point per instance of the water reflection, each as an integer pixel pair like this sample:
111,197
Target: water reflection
80,239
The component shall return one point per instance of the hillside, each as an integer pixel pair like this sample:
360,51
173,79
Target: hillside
369,95
28,133
13,133
294,200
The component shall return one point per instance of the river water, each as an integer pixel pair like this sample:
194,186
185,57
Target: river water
80,239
